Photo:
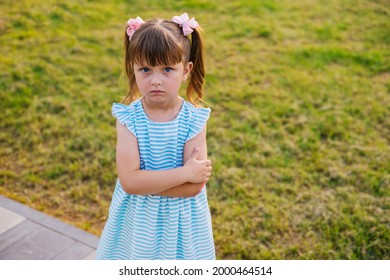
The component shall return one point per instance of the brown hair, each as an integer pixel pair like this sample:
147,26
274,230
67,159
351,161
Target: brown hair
161,42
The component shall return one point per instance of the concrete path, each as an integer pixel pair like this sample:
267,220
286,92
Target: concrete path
26,234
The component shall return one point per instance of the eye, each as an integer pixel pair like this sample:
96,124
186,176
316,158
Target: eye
144,70
168,69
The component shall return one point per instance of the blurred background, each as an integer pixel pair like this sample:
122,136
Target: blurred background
299,132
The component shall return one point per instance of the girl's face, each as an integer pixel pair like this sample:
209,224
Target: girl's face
161,83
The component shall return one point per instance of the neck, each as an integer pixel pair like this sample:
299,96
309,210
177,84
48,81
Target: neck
162,106
164,111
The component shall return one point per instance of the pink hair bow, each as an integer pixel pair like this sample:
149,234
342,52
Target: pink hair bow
188,25
132,25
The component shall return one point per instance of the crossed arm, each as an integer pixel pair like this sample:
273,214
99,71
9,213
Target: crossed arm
185,181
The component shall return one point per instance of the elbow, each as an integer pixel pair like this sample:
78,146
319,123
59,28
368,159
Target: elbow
130,187
130,183
197,189
130,190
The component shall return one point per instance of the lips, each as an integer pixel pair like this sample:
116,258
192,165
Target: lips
156,92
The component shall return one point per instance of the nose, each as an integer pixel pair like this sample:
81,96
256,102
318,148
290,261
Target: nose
156,81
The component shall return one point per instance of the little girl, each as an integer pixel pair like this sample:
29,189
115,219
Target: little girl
159,208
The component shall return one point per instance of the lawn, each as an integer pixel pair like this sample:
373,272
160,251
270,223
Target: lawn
299,133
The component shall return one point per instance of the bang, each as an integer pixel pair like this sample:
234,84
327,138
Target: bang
156,48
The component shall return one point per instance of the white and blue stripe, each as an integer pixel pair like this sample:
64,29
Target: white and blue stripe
151,226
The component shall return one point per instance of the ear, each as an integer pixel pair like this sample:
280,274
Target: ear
187,70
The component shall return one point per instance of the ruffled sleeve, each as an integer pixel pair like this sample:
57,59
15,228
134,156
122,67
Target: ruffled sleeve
125,115
198,121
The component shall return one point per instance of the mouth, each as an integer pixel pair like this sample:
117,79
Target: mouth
156,92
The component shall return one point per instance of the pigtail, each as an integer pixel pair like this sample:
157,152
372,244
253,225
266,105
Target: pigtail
196,81
129,71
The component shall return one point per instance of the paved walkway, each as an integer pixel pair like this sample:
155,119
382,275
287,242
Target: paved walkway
26,234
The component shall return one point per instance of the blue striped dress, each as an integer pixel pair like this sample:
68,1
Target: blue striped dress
152,226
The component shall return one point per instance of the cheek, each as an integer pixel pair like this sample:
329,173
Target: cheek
178,78
139,79
177,82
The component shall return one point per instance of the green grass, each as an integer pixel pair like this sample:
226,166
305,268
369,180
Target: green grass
299,135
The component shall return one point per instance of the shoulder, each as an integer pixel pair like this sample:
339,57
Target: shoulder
119,108
196,119
126,114
192,113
